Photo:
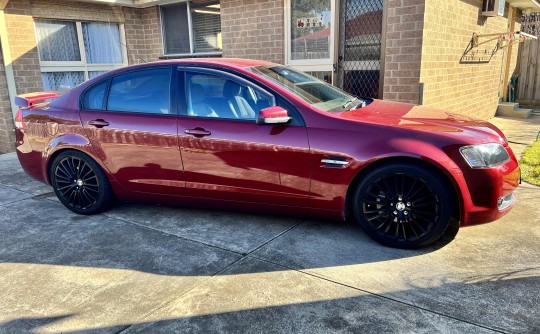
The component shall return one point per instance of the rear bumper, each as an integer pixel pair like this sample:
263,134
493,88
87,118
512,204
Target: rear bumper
30,159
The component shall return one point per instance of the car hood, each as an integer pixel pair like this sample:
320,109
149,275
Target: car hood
425,118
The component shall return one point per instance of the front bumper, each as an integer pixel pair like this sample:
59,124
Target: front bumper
490,192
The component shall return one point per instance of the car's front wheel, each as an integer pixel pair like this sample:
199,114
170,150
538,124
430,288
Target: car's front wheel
403,205
80,184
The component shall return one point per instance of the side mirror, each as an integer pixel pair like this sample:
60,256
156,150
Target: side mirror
273,115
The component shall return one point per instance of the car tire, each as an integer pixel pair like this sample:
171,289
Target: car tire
403,205
80,183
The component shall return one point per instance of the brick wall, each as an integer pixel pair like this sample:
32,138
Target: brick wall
135,42
152,33
7,136
74,10
143,34
470,89
20,16
405,21
253,29
22,43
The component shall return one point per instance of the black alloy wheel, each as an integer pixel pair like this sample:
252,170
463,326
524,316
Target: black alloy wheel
403,205
79,183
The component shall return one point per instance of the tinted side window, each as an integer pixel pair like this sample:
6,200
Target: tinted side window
215,96
146,91
93,98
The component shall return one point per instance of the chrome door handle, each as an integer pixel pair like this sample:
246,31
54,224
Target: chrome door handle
98,123
198,132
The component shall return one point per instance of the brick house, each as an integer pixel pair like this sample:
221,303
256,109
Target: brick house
414,51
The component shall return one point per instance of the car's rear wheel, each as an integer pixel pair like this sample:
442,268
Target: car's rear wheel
80,184
403,205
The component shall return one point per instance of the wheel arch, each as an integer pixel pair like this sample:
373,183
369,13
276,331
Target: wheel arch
431,165
57,151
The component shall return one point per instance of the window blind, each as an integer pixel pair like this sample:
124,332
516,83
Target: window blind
206,31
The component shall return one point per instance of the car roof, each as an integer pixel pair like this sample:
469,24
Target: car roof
232,62
228,62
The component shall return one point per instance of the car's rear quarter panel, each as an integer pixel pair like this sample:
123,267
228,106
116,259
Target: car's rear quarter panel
47,130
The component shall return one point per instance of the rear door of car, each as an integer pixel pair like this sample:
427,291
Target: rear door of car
131,121
226,154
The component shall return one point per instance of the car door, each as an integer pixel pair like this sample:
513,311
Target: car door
226,154
132,125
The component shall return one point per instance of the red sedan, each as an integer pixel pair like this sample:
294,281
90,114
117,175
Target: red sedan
233,133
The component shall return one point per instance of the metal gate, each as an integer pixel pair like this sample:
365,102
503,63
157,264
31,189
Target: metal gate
359,54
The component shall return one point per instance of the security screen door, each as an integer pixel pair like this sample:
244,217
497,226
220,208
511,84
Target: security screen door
359,49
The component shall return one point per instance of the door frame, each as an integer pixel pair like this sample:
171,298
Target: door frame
382,61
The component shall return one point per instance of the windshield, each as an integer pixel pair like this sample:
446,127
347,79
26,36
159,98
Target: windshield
310,89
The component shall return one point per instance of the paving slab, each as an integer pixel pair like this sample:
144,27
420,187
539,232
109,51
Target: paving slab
253,296
12,175
519,132
239,232
489,275
151,269
10,195
65,272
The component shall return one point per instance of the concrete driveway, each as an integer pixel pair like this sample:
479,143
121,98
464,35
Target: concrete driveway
150,269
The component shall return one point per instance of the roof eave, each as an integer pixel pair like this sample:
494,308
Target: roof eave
527,6
130,3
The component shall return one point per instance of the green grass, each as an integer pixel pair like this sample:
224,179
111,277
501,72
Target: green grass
530,164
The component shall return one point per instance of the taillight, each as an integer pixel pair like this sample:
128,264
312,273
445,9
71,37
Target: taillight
19,121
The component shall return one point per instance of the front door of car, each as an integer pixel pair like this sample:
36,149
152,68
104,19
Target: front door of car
132,126
227,155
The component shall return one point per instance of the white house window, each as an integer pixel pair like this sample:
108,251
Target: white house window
191,27
72,52
310,36
310,33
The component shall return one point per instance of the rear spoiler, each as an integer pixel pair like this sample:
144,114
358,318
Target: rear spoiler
28,100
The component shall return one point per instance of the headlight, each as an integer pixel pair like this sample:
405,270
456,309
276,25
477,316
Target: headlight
484,155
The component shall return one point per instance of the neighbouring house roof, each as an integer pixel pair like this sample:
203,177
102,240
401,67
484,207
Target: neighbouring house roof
369,23
323,33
